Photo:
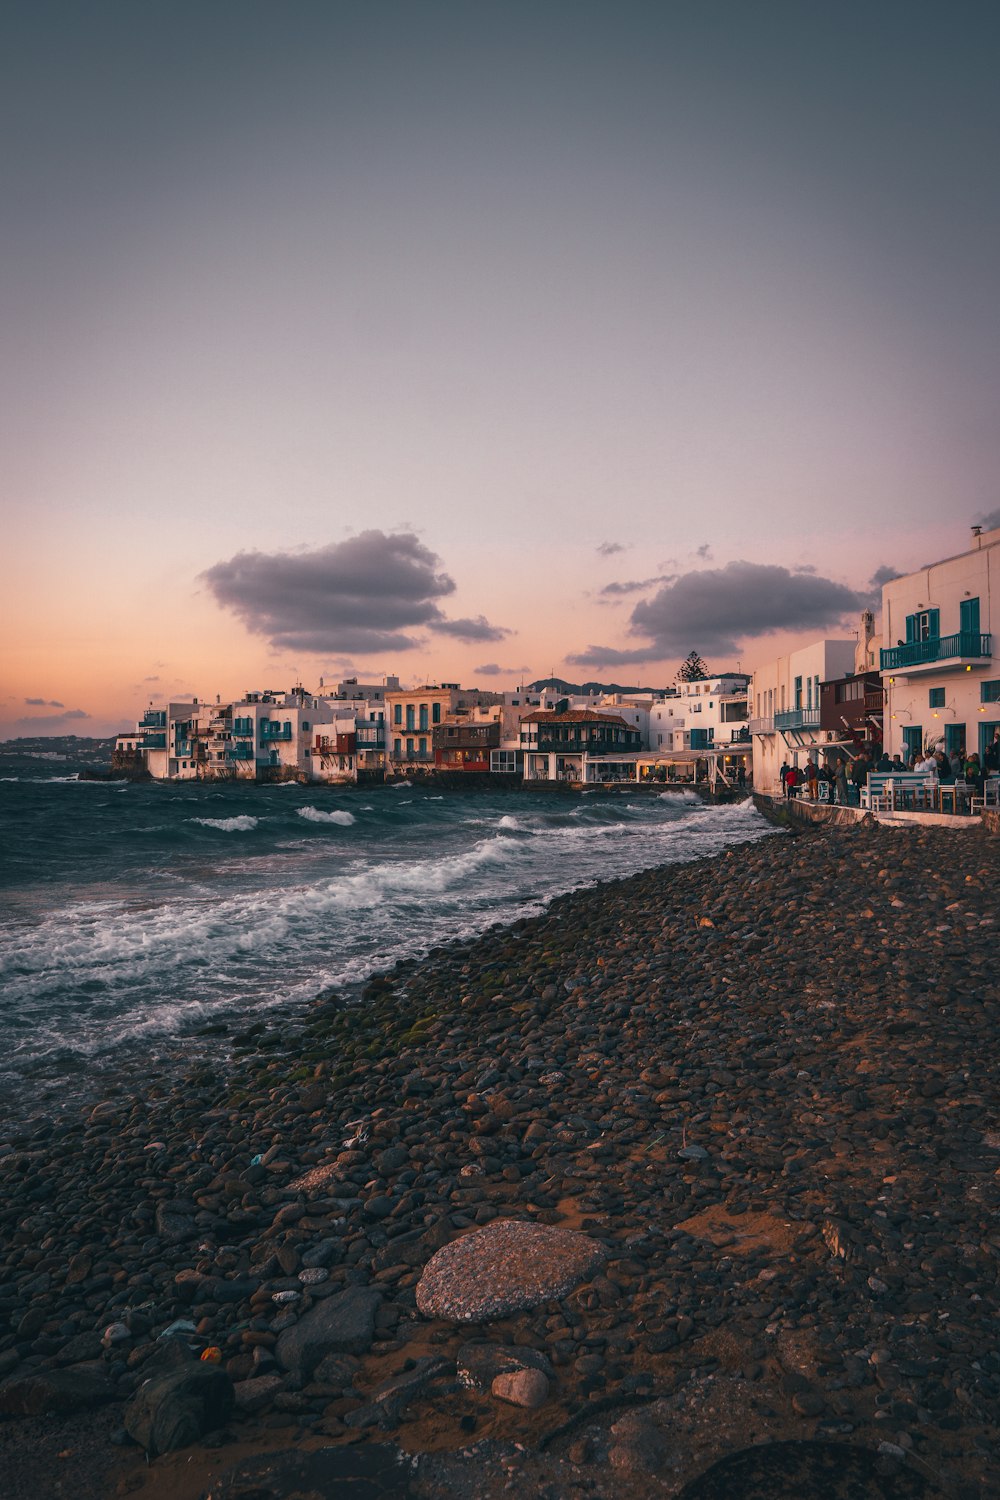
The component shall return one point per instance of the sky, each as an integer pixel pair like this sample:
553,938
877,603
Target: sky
481,341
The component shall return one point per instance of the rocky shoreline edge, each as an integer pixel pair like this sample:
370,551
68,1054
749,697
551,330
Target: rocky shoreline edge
700,1161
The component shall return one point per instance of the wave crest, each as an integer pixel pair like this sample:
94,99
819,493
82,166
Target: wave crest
242,824
316,815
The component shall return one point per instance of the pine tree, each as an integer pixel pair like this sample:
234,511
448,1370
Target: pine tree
692,669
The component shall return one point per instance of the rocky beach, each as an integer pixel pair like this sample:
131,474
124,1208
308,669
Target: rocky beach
695,1162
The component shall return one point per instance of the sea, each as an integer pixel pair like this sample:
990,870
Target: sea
135,915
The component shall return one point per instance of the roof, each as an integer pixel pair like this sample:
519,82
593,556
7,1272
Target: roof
575,716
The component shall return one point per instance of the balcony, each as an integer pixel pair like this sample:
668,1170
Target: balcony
938,652
154,742
762,726
240,750
153,718
270,734
797,718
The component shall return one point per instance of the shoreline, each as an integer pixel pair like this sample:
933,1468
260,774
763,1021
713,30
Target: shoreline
712,1069
80,1079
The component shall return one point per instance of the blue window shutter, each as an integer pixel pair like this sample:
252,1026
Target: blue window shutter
934,623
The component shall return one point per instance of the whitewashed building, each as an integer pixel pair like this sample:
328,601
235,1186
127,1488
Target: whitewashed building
785,707
940,659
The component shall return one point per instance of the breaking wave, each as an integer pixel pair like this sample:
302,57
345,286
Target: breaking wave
242,824
316,815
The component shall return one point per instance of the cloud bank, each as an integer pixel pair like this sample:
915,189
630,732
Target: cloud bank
49,721
714,610
360,596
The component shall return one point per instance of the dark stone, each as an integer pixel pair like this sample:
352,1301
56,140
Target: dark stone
174,1410
341,1324
369,1472
792,1471
386,1408
479,1363
61,1392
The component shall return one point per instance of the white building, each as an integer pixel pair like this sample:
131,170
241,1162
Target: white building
785,707
942,675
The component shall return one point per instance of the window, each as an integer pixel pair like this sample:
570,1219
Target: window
923,626
423,746
935,698
410,717
409,747
954,737
968,616
436,713
305,723
423,716
397,748
798,692
989,692
913,739
397,714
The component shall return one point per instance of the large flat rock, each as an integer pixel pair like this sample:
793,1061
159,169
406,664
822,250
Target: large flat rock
504,1268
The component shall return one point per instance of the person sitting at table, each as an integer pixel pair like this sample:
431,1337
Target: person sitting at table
897,764
945,774
957,764
926,764
974,772
884,763
991,756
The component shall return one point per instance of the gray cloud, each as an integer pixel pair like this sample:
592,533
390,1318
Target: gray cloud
704,552
359,596
608,549
44,703
478,629
37,721
492,669
988,521
872,598
715,609
635,585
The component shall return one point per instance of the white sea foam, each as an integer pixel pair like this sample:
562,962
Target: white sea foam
679,799
397,786
509,823
315,815
242,824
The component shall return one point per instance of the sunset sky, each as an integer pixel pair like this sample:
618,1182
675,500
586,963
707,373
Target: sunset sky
480,340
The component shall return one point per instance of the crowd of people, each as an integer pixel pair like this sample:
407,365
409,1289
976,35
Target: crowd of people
844,775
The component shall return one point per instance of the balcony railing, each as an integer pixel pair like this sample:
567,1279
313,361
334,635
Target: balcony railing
153,718
966,644
762,726
269,735
797,718
154,742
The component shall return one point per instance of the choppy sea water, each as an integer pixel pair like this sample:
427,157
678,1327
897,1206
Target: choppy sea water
133,914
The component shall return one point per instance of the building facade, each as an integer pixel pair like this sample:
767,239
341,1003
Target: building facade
786,708
942,675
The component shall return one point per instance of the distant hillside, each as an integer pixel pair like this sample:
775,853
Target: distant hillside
72,750
558,685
